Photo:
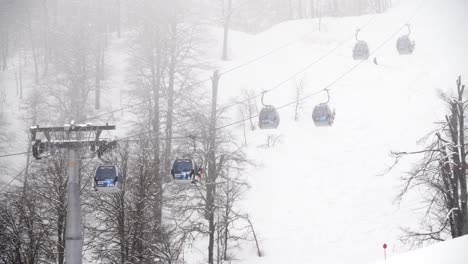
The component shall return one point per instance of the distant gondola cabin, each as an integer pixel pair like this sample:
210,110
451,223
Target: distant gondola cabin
268,118
108,178
183,170
361,51
322,115
405,45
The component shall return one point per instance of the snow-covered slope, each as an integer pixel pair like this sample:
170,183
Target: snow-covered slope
453,251
320,196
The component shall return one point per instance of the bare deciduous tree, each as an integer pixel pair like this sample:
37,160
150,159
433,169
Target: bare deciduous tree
442,175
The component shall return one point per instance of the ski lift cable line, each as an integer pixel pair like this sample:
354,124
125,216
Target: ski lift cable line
14,178
135,104
325,88
241,66
346,73
14,154
21,172
290,103
319,59
200,82
263,56
334,49
369,22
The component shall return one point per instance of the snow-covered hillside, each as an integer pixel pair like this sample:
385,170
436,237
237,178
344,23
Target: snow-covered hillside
320,196
453,251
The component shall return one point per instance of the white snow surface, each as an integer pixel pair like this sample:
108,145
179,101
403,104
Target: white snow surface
453,251
319,195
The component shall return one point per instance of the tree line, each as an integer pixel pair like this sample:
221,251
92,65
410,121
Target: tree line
61,49
58,52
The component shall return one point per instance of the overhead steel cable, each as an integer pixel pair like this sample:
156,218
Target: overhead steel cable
14,178
14,154
241,66
326,87
292,102
304,69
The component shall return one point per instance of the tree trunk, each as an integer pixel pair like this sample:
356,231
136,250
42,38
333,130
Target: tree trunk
46,37
155,83
319,14
462,160
121,214
378,6
226,219
291,12
170,98
227,22
33,47
97,96
5,44
60,237
20,76
259,252
335,7
300,9
122,233
312,9
118,19
225,40
212,172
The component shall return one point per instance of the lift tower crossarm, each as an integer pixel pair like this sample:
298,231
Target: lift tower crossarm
71,144
71,128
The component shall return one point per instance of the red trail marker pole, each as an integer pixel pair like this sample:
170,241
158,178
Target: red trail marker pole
385,251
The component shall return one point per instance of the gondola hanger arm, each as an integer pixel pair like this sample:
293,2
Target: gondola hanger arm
357,33
409,29
328,96
263,94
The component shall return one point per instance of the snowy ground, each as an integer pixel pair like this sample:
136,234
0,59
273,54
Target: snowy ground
453,251
319,195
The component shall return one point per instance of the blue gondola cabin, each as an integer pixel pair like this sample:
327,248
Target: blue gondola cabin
183,170
108,178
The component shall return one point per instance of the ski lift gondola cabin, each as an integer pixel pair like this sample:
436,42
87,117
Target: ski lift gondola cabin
39,149
268,118
405,45
323,115
183,170
361,49
108,178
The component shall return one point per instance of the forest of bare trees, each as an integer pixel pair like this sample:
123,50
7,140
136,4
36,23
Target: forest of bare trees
61,49
63,46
